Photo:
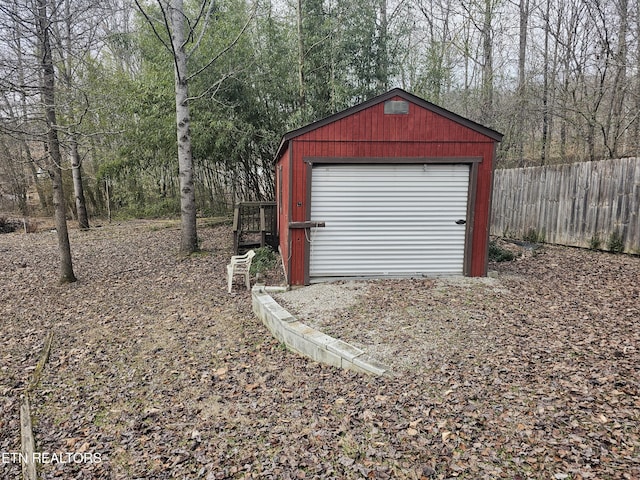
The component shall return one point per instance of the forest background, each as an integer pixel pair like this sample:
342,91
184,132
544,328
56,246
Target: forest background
558,77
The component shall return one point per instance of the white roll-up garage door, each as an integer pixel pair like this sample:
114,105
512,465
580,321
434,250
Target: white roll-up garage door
388,220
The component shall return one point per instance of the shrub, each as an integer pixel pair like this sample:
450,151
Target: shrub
595,242
8,226
499,254
161,208
265,259
533,236
616,242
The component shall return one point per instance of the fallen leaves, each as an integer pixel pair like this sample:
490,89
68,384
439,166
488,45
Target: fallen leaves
529,375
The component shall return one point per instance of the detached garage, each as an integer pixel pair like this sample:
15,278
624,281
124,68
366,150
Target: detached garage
393,187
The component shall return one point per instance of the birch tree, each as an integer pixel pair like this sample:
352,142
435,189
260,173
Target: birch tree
183,32
177,24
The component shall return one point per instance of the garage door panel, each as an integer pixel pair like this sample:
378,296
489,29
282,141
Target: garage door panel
391,256
394,195
388,220
381,239
392,269
416,215
411,239
440,206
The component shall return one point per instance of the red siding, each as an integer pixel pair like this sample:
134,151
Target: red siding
370,133
372,125
283,198
298,214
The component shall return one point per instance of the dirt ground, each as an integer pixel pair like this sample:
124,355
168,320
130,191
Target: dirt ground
156,372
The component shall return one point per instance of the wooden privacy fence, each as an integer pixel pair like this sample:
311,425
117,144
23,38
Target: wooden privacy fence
590,204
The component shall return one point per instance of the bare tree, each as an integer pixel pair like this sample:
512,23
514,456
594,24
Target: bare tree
182,32
47,89
301,55
67,38
18,82
487,58
616,124
546,116
521,92
383,54
439,39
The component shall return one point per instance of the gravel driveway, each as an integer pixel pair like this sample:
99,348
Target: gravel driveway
553,297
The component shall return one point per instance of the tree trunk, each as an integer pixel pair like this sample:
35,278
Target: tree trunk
23,108
78,189
301,89
545,88
487,66
55,170
189,238
383,51
636,122
565,111
522,54
42,198
616,128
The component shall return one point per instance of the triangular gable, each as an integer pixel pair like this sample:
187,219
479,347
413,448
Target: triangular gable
396,92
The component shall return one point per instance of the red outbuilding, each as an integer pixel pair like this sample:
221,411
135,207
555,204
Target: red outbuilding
393,187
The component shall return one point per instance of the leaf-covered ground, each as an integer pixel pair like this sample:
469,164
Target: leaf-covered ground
166,376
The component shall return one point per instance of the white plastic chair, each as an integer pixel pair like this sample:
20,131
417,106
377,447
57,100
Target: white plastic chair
240,265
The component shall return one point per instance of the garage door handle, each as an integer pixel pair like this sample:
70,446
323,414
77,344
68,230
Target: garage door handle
461,222
308,224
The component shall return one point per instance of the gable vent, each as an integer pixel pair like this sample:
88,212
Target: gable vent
396,107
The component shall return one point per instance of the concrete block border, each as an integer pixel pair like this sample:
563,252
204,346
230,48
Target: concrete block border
308,341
